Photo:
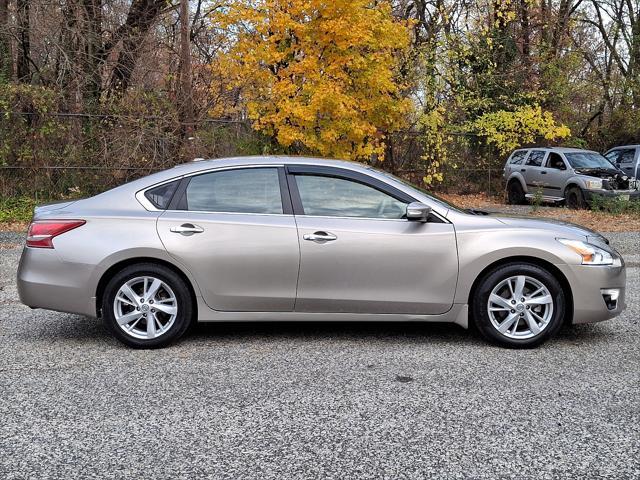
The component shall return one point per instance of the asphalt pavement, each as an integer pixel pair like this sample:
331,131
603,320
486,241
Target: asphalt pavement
313,400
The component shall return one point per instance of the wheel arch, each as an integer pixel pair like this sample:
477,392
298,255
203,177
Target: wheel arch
516,177
119,266
566,287
570,184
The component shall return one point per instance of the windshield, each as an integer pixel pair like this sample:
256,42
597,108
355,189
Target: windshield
588,160
422,191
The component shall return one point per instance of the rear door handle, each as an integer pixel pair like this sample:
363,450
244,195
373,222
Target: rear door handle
320,237
523,169
187,229
543,173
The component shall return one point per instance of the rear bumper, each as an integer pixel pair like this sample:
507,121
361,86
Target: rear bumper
45,281
589,284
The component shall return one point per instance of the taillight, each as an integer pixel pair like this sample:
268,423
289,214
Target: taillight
42,232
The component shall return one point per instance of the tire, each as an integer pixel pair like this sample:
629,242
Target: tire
170,306
518,320
515,193
575,198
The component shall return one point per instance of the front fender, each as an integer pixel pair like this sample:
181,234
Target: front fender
479,250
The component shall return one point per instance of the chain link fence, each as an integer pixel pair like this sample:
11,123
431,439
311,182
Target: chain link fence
55,182
48,156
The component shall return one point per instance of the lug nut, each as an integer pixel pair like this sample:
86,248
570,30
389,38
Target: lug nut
527,307
513,302
522,299
138,308
150,301
512,311
144,314
153,310
522,314
142,300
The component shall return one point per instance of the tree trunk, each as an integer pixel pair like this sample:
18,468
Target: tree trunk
6,59
24,49
186,92
141,16
633,72
526,36
92,47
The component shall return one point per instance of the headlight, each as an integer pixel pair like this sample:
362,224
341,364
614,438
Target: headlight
593,184
591,255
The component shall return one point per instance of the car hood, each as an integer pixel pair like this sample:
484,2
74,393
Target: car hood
560,227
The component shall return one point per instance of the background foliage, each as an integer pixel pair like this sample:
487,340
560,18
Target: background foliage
424,88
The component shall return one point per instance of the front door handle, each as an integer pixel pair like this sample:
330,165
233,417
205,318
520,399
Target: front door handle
320,237
187,229
543,172
523,169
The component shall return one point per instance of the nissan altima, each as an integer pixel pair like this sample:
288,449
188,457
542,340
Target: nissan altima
288,238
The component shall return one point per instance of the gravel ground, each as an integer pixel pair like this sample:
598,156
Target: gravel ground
312,400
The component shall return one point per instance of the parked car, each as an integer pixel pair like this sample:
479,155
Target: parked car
626,158
566,175
285,238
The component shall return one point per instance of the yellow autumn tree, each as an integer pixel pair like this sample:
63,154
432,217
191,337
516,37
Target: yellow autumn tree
510,130
316,74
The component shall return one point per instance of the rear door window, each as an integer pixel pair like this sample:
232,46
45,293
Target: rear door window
248,190
535,158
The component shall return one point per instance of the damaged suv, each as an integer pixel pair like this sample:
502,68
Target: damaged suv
567,175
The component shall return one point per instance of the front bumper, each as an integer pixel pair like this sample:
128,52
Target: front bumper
589,285
46,281
633,195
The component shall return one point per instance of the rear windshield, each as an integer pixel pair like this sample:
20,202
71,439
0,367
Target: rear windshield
588,160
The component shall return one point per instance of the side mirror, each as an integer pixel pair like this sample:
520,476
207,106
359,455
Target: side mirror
418,212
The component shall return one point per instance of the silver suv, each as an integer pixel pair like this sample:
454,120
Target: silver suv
566,175
626,158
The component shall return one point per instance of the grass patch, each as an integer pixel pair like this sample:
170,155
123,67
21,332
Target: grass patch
16,209
615,205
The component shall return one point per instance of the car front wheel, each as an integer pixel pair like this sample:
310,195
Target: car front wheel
147,306
575,198
518,305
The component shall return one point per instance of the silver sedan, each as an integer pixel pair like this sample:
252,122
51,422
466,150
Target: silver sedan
285,238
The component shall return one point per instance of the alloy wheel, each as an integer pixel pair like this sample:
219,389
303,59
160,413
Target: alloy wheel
145,307
520,307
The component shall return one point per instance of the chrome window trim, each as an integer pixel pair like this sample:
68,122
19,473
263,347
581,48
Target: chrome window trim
140,194
205,212
150,207
374,218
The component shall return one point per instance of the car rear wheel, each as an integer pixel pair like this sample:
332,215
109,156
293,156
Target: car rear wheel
518,305
515,193
575,198
147,306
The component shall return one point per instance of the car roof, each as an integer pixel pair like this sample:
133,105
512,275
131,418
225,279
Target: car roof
119,197
558,149
623,146
210,164
203,164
